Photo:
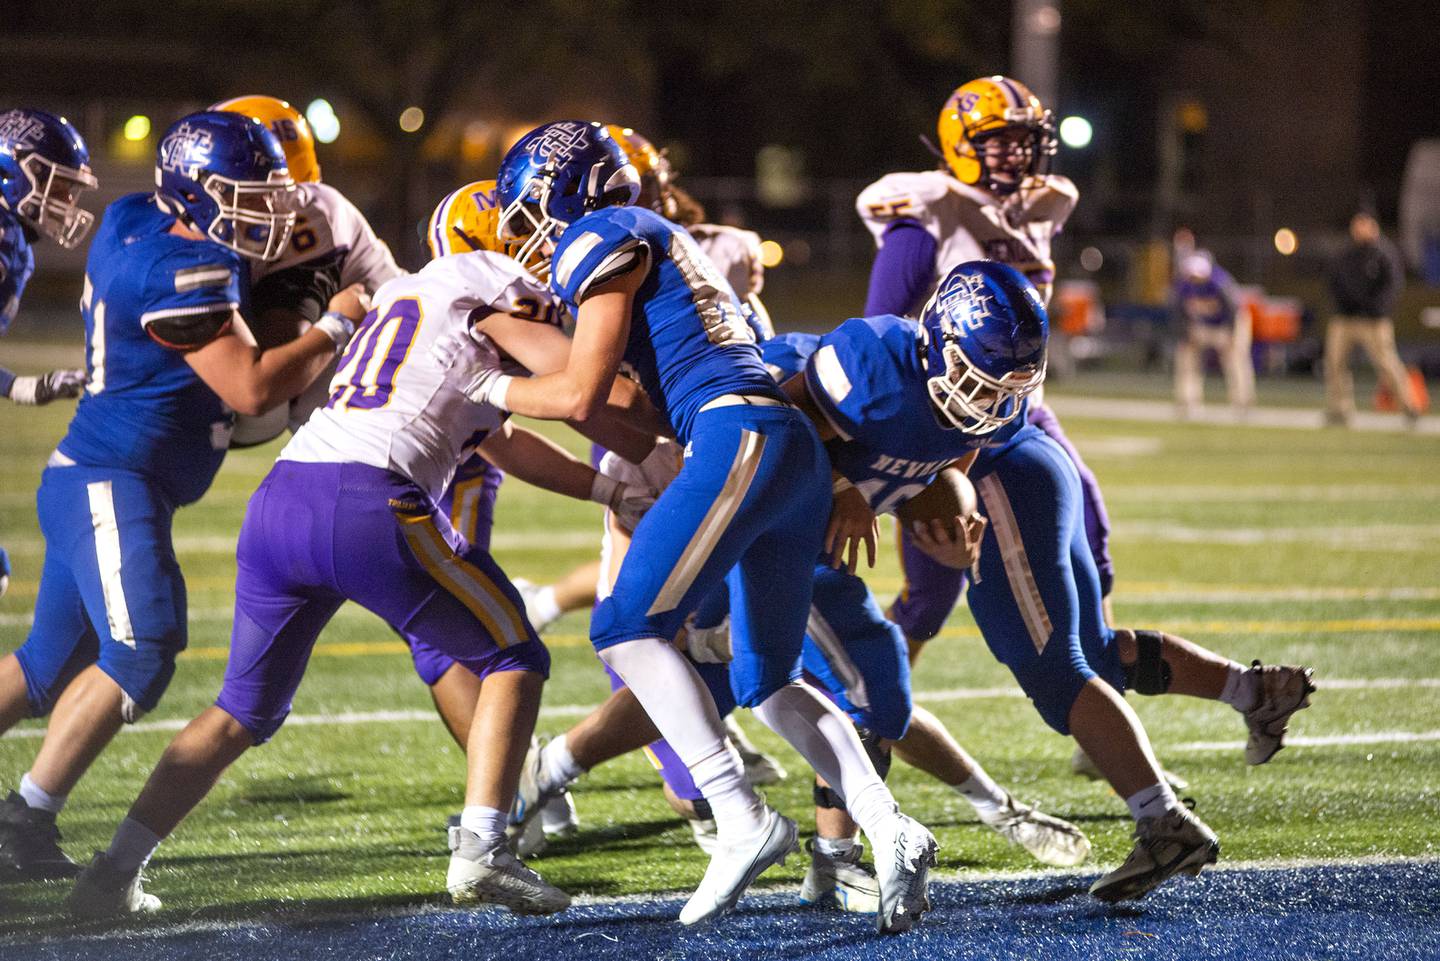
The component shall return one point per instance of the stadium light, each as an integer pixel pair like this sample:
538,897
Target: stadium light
323,122
1076,132
1286,242
1092,259
771,254
137,127
412,119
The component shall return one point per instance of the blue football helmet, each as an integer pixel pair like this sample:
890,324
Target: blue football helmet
553,176
226,173
985,331
44,167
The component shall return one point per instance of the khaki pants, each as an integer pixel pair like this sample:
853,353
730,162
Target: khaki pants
1377,336
1232,344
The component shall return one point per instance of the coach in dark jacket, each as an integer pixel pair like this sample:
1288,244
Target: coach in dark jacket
1365,281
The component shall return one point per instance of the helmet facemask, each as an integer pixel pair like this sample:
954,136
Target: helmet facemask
255,219
525,225
1025,146
53,204
973,401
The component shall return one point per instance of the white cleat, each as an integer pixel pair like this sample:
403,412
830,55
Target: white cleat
760,768
1081,765
844,881
904,854
103,892
528,591
1173,843
529,798
734,866
1048,839
1283,691
707,835
492,875
557,820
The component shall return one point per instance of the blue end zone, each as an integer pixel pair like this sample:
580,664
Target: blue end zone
1359,911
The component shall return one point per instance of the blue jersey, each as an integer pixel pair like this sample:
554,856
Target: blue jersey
17,263
145,410
867,378
689,340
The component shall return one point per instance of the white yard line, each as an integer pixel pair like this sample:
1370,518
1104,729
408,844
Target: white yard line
1163,412
351,718
1324,740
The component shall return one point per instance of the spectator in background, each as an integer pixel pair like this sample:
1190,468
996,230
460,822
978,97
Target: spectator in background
1208,316
1365,280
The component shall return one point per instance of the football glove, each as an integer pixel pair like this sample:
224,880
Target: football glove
709,645
36,391
628,502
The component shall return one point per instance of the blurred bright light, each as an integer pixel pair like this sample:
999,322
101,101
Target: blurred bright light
412,119
1092,259
1285,241
771,253
323,122
1076,132
137,127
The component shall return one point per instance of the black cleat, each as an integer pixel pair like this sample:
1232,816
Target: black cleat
30,844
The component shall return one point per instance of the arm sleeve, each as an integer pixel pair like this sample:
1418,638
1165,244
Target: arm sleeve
903,271
189,296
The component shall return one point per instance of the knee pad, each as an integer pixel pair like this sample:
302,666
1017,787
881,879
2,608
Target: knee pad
828,799
880,755
1150,674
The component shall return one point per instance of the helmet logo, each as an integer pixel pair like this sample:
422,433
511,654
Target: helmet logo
186,150
22,130
560,142
967,101
966,303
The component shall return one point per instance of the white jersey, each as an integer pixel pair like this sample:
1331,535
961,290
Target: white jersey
329,225
736,253
972,224
395,400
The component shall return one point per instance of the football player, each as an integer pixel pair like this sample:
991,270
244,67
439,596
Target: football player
169,357
995,199
749,507
349,513
44,168
969,367
331,247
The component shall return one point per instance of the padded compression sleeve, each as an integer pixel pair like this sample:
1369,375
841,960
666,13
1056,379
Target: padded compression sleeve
903,271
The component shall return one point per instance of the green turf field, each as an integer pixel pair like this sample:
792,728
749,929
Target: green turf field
1322,548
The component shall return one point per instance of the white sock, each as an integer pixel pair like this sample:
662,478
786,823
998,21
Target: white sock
985,795
667,687
1152,801
826,738
557,765
132,846
1242,688
487,823
542,608
834,847
40,799
738,811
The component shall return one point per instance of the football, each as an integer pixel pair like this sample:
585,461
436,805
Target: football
949,496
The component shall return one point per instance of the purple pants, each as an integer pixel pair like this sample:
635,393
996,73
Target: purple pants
469,504
931,589
316,535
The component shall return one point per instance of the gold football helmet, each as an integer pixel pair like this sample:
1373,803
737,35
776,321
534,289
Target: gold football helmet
979,111
289,127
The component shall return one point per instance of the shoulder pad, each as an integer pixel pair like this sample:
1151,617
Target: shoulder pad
1053,200
190,291
596,248
904,196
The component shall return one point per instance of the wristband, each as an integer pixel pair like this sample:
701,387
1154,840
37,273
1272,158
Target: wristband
337,327
495,393
603,490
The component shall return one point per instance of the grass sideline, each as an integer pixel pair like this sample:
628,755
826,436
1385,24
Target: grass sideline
1321,547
